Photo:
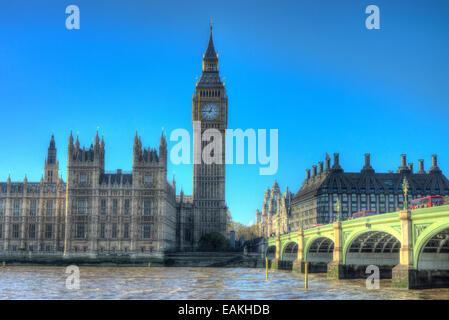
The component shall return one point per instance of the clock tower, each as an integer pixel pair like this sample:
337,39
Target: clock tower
209,111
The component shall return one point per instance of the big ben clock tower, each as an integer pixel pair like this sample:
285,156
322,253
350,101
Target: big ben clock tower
209,111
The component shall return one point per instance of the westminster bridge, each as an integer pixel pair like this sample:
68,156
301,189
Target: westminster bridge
411,247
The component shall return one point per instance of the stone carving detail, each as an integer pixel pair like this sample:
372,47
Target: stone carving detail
345,236
419,229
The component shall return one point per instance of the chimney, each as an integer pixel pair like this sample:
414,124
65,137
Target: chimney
336,161
434,160
434,167
410,167
421,166
403,160
320,167
314,171
307,174
328,164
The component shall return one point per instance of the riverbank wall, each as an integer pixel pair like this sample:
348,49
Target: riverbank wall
184,259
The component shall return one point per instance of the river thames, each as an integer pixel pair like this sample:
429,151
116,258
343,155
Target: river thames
30,282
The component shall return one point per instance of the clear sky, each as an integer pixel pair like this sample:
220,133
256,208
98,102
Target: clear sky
308,68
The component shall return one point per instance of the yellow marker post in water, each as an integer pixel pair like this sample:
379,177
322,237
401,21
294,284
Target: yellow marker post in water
4,264
266,267
306,280
149,264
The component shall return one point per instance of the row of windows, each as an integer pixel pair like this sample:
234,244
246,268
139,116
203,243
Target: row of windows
148,208
81,228
114,231
436,191
148,179
32,232
364,200
17,206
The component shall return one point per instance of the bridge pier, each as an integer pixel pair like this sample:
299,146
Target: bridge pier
404,275
298,264
335,268
277,257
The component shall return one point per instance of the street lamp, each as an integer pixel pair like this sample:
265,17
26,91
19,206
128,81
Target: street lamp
405,189
337,206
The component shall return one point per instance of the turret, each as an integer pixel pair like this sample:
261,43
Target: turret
136,150
163,150
51,163
147,163
84,166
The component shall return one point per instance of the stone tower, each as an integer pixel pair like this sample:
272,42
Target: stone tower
84,168
210,118
51,163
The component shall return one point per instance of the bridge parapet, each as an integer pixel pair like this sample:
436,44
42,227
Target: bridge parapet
393,239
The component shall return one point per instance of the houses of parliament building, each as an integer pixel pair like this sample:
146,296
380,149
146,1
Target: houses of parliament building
96,212
315,202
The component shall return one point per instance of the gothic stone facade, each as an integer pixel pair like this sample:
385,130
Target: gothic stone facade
315,202
106,213
275,215
137,213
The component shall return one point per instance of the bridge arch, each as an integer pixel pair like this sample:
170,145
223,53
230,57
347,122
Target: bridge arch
319,249
290,251
431,250
270,254
372,246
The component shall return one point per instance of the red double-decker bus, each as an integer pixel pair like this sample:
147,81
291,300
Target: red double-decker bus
361,214
427,202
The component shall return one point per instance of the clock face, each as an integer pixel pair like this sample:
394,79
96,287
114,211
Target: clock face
209,111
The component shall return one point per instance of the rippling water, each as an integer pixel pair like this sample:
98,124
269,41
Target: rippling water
190,283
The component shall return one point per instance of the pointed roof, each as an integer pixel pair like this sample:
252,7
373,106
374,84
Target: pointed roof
97,139
71,138
51,155
210,53
162,141
52,142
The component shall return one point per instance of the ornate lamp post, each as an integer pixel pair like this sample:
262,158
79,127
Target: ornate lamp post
337,206
405,189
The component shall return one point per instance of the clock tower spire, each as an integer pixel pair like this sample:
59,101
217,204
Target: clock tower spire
209,111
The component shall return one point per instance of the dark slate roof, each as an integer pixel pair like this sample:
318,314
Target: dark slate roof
116,178
210,53
210,80
367,181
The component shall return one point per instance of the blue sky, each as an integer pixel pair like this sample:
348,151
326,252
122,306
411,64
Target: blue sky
308,68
